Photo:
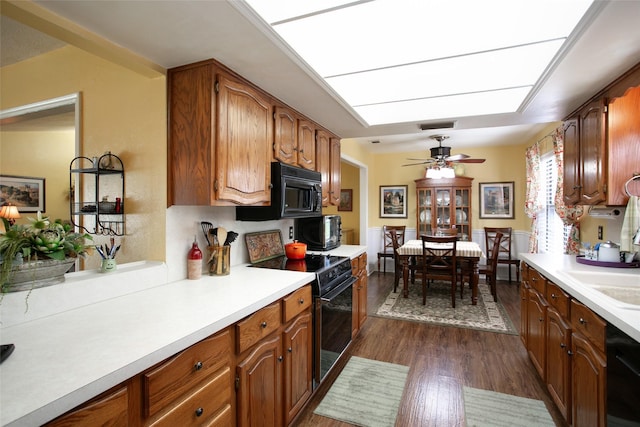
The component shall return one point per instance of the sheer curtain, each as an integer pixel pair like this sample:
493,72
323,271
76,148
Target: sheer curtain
533,198
570,215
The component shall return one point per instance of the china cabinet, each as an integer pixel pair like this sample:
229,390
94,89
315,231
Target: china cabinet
444,203
96,194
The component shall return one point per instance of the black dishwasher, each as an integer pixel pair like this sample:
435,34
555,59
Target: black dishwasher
623,379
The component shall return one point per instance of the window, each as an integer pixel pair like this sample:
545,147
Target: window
552,233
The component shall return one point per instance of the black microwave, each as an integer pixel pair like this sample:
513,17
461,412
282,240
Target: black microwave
295,193
321,233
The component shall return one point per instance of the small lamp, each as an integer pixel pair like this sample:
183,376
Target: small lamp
10,213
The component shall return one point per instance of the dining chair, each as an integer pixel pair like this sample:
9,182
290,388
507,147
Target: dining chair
492,265
387,245
504,253
439,263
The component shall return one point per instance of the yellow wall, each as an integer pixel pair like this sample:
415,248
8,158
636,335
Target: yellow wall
122,112
349,179
41,155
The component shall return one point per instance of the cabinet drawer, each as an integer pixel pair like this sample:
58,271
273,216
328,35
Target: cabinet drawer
588,324
296,303
110,409
257,326
203,406
176,376
537,281
558,299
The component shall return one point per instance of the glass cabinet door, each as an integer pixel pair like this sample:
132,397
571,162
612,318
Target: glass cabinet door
443,209
425,199
463,212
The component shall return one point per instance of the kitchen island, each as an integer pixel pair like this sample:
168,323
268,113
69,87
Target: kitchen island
94,331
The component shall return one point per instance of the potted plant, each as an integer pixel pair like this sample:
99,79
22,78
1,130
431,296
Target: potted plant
38,254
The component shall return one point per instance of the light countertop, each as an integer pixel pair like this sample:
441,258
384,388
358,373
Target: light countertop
66,356
556,267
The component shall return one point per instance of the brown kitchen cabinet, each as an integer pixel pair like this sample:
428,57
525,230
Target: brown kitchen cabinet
294,140
328,164
444,203
109,409
360,290
602,144
566,344
220,138
274,374
195,387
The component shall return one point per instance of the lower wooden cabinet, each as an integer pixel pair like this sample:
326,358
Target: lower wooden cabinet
566,344
108,409
298,365
359,304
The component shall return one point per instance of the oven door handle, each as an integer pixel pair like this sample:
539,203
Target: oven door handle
338,289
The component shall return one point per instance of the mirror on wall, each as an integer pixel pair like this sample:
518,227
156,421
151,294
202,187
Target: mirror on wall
37,142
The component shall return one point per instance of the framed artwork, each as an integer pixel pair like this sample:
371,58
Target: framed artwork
393,201
26,193
496,200
346,200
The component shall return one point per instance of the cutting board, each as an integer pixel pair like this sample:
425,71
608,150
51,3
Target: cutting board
264,245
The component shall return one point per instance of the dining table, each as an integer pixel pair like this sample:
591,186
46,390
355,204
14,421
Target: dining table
466,250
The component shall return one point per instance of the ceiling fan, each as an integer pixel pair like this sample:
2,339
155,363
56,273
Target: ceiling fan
440,156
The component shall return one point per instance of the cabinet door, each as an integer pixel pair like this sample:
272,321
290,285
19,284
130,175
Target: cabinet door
462,213
593,153
571,158
558,362
536,331
425,211
588,384
259,379
443,208
362,298
110,409
243,150
624,146
285,136
334,171
298,368
306,145
524,316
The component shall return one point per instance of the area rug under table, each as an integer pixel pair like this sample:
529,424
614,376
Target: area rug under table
366,393
484,408
487,315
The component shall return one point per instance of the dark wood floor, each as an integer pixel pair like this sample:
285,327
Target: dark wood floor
442,360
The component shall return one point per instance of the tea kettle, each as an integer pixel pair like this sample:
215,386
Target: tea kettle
609,252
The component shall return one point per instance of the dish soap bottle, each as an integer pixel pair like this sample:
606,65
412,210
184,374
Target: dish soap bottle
194,262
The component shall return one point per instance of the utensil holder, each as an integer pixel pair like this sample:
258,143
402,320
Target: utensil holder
219,260
108,265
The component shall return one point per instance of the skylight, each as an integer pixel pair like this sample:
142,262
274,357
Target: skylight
409,60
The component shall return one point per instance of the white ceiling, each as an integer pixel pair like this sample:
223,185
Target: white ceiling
172,33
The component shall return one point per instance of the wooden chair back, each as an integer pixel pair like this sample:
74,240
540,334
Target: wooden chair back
439,263
387,242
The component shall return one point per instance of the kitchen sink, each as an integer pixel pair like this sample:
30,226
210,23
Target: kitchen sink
591,278
624,288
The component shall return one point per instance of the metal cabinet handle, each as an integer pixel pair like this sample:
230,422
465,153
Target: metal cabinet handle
554,296
290,350
301,301
563,345
582,321
198,366
199,412
263,325
280,358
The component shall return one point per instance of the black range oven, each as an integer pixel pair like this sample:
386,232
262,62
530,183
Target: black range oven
332,292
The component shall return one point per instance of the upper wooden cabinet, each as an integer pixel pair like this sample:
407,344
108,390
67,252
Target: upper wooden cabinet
602,144
294,139
220,133
328,160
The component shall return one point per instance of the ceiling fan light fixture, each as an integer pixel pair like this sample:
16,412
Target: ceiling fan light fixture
440,172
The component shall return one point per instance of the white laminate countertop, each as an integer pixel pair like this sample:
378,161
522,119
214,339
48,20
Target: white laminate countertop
65,358
555,267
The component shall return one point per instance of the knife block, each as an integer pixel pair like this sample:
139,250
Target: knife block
219,260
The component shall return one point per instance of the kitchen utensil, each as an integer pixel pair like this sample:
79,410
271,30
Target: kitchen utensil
295,250
222,235
214,236
231,237
609,252
206,228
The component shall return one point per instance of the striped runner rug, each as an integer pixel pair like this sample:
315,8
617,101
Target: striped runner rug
484,408
366,393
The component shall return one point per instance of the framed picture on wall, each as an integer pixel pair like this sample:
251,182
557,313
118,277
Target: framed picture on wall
346,200
393,201
496,200
26,193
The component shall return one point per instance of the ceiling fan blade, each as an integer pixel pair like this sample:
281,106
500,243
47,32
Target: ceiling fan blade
423,159
413,164
470,161
456,157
